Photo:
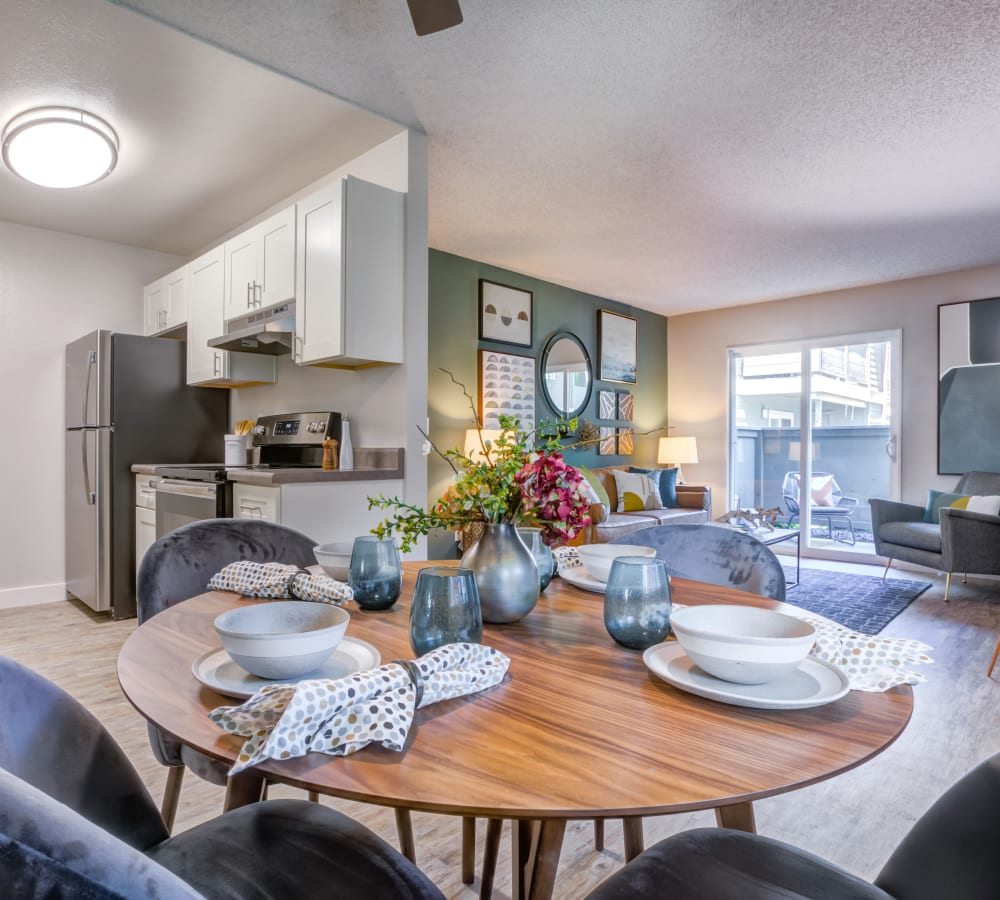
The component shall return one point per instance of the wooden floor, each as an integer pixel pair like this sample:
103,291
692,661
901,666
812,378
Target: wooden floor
854,820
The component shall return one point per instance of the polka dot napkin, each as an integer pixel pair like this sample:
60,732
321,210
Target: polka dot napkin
341,716
277,581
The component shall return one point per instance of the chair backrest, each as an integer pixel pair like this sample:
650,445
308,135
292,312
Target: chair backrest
952,850
983,484
714,554
49,850
178,565
51,741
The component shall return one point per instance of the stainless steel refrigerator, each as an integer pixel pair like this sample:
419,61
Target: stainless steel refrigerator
126,402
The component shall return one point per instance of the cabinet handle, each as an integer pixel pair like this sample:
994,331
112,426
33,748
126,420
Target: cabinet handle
253,512
217,363
258,300
297,352
249,301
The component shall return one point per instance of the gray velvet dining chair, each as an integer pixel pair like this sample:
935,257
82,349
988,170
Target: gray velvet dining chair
178,566
951,851
76,821
715,555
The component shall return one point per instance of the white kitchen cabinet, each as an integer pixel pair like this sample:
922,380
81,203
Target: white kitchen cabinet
349,276
260,265
210,366
326,511
165,302
251,501
145,515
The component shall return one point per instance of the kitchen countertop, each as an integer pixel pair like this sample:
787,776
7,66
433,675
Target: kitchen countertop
371,464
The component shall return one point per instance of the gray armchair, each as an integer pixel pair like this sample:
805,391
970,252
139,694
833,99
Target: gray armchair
964,541
77,821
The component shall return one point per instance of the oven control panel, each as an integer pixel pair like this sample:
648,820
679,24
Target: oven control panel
296,429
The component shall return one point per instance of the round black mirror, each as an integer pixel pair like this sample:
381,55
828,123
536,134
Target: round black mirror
566,374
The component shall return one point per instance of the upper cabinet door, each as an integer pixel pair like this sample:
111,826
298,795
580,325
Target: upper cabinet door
240,273
153,303
349,296
276,258
206,364
175,301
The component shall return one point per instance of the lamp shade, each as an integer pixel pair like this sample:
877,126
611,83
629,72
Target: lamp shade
474,443
679,450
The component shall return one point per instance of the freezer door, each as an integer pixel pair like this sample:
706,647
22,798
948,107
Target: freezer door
87,508
88,383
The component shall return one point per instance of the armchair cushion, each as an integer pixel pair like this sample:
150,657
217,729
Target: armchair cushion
821,490
921,535
937,499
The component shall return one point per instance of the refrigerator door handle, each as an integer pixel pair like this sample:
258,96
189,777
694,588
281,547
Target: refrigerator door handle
91,365
90,494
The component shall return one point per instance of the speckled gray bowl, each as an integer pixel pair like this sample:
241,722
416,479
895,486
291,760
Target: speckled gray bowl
335,559
282,639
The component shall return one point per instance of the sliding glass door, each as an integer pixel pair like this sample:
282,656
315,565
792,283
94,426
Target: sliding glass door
814,435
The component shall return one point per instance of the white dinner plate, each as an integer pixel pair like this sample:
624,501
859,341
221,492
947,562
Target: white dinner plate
581,578
216,669
813,683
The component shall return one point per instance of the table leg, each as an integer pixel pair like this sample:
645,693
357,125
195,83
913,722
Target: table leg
535,849
404,831
243,789
634,841
490,854
738,815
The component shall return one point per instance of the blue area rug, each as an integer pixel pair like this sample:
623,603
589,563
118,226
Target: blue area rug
860,602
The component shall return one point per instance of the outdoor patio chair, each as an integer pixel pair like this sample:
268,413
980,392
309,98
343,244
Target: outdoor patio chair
951,851
834,504
77,821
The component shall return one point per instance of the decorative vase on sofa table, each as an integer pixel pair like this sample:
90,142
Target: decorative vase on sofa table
506,574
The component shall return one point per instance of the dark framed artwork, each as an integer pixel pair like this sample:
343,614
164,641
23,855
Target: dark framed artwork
625,406
606,404
617,339
506,388
504,314
969,386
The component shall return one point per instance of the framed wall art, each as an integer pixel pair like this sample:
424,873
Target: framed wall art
606,404
626,441
625,406
506,388
607,445
969,386
504,314
618,348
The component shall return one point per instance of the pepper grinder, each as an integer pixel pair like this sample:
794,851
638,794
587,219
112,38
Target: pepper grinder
330,457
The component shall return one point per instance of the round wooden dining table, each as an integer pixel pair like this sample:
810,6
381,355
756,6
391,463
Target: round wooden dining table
578,729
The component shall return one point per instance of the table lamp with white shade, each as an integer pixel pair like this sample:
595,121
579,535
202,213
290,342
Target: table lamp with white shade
675,451
474,443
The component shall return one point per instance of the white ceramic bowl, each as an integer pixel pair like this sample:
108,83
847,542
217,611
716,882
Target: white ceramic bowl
282,639
335,559
597,558
742,644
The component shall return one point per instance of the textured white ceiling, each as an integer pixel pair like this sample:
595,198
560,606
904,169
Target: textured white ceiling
681,155
208,140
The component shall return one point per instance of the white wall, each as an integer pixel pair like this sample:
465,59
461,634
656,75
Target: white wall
697,363
54,288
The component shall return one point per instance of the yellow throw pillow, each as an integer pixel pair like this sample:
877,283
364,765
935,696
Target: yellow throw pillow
636,492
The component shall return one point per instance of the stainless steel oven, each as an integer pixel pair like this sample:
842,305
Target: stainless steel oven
190,494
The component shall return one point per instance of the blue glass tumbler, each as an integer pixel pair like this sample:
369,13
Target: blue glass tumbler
375,576
544,559
445,609
637,602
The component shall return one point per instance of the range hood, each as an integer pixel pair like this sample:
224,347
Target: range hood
268,331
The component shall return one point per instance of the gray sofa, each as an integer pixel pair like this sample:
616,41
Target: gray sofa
964,541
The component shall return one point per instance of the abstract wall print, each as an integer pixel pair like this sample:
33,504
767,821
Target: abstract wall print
606,405
506,388
626,441
617,339
969,386
625,406
608,445
504,314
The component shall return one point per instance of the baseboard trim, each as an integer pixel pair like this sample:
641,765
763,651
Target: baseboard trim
33,595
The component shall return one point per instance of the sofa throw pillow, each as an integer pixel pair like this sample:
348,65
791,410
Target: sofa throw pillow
666,483
822,490
593,488
937,499
636,492
986,505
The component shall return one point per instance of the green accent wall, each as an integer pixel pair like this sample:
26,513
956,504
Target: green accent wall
453,332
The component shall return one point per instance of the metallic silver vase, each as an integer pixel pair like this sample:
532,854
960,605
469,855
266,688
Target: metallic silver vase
506,574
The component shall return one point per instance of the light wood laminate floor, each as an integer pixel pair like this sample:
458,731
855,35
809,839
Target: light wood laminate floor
854,820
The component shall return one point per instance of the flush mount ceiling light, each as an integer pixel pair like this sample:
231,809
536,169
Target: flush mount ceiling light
59,147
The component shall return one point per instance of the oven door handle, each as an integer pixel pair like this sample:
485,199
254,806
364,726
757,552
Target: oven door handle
187,488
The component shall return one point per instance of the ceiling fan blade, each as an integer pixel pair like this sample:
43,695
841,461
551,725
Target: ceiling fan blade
434,15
